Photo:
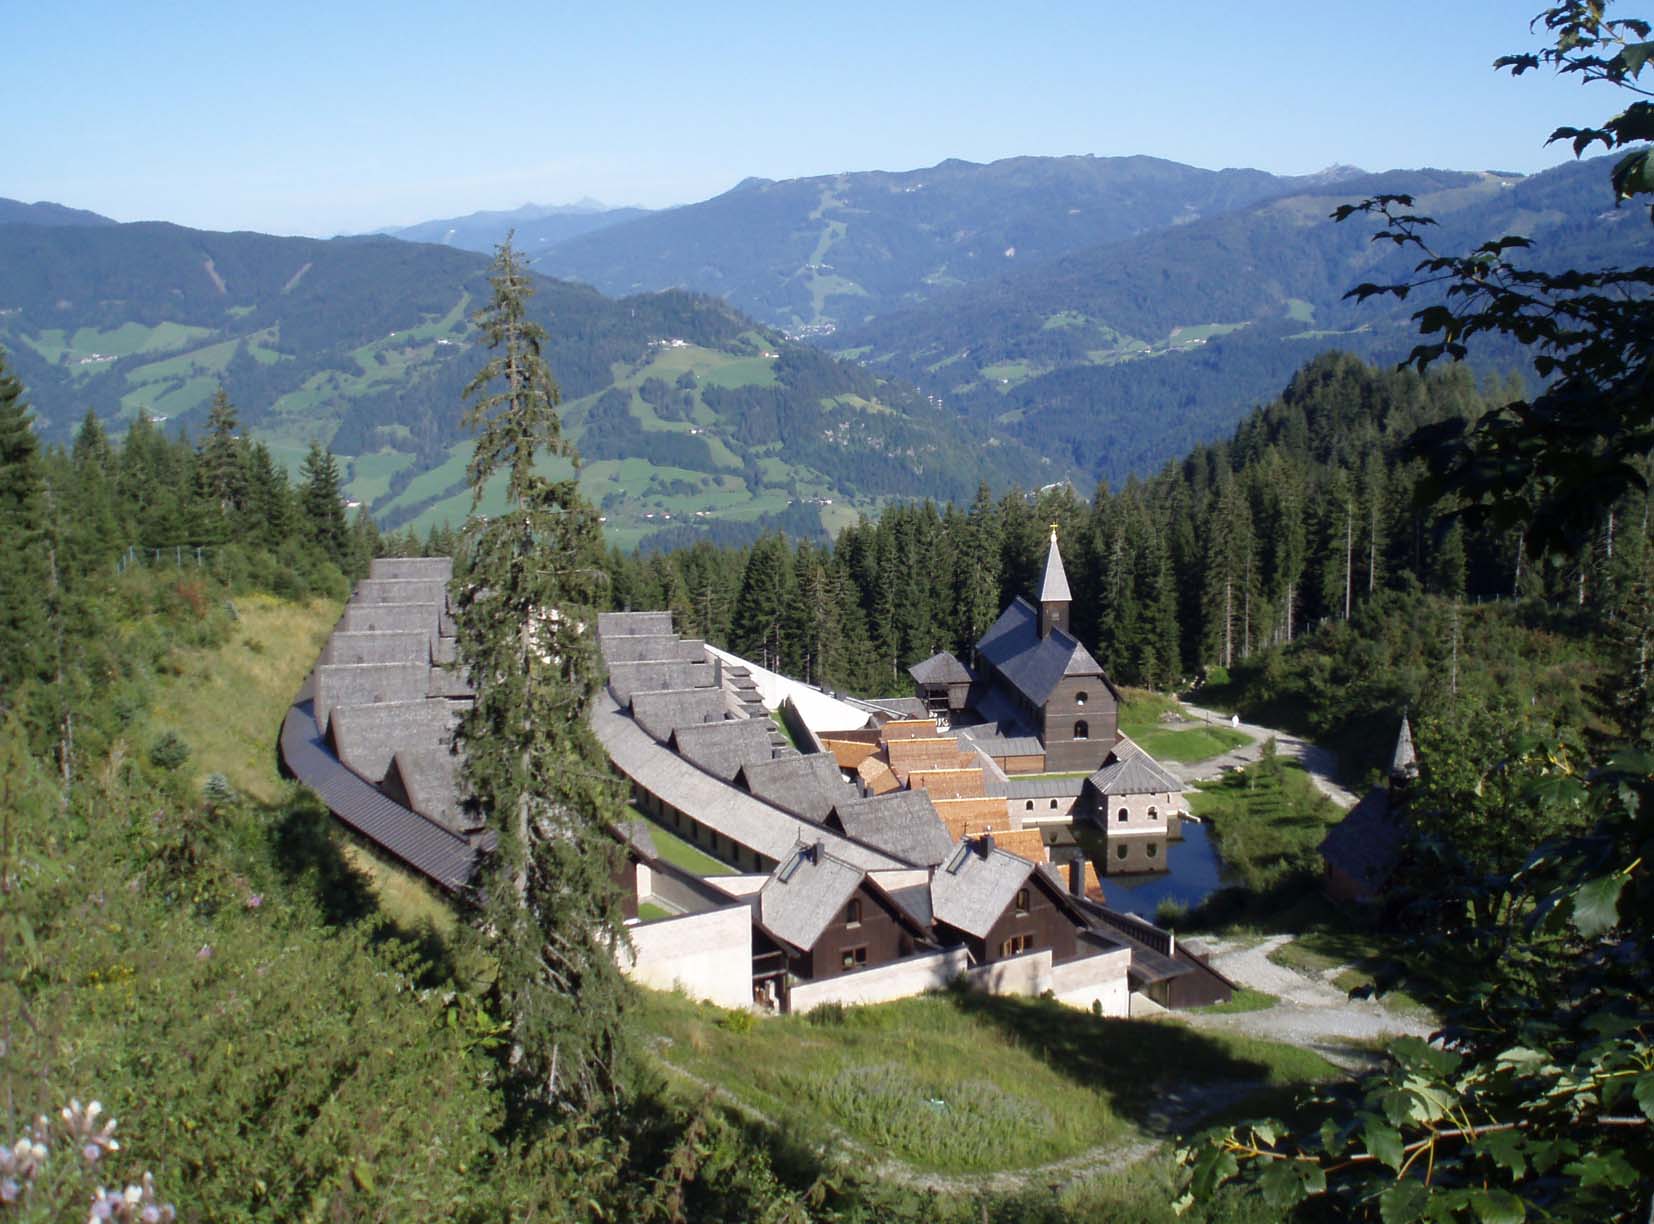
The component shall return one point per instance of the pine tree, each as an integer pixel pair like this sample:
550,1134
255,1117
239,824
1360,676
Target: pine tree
323,506
221,466
25,571
528,586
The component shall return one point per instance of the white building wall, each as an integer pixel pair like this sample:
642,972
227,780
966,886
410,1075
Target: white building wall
1028,974
708,956
1137,809
1099,979
900,980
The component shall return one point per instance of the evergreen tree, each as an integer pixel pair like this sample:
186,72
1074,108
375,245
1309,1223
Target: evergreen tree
25,570
220,464
323,505
528,587
764,607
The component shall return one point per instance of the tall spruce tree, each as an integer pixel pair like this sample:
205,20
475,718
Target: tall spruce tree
323,504
25,571
528,587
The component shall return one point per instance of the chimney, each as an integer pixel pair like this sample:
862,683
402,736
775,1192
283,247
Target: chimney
985,845
1076,876
717,672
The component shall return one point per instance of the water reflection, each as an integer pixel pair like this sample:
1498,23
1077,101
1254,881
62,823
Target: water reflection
1155,869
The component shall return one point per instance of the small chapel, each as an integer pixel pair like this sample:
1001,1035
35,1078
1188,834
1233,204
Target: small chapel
1033,678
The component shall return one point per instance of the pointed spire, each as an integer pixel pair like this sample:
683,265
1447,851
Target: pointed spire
1054,587
1405,763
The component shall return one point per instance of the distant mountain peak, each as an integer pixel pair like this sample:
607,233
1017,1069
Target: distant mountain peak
1337,173
44,212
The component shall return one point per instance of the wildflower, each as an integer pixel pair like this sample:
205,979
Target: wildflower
82,1125
254,901
205,953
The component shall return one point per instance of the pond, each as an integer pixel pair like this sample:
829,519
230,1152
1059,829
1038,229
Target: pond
1186,870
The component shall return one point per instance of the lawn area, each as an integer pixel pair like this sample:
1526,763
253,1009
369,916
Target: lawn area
960,1082
1269,821
1140,718
1245,999
680,853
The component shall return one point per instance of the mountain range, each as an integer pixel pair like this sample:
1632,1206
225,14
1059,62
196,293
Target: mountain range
1030,320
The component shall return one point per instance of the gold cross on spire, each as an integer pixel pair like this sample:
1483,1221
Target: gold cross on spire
1053,533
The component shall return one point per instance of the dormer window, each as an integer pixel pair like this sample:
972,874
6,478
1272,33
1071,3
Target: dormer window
1022,900
852,913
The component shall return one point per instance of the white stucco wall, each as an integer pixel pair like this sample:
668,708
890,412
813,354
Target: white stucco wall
1095,979
1028,974
896,981
1137,809
708,956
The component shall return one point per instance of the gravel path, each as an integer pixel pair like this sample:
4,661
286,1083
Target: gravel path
1320,763
1312,1012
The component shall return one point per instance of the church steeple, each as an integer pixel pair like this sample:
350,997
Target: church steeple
1054,595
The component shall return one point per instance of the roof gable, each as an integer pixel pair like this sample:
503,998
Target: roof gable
804,893
1131,771
972,889
1033,665
805,786
721,749
903,824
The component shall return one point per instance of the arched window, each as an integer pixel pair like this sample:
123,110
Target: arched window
1081,730
1119,852
1029,807
1154,813
1153,850
1121,818
1079,698
1053,805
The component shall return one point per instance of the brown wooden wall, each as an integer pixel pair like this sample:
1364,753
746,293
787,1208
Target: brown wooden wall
885,938
1063,752
1049,924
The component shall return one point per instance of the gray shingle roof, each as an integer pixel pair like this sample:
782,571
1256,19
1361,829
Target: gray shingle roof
806,786
390,618
722,748
804,893
1405,761
429,777
1367,843
366,683
1131,771
439,568
625,679
941,668
716,804
971,889
377,648
1032,664
440,854
368,737
915,899
1044,788
449,682
1053,587
903,824
628,624
401,591
662,713
639,835
639,647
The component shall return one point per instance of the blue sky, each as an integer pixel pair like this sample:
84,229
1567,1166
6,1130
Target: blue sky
318,119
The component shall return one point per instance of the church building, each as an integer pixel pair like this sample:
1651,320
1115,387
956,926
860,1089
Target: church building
1033,677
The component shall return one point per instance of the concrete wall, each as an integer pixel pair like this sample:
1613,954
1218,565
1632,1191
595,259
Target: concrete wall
899,980
1028,974
1100,979
1137,810
1056,809
708,956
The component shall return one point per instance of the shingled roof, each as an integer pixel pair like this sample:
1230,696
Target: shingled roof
1031,664
629,624
653,677
427,780
440,568
973,888
377,648
903,824
804,893
1367,843
806,786
1131,771
941,668
368,737
722,748
663,712
367,683
1053,587
1404,763
401,591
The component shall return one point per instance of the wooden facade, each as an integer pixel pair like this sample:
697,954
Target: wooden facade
1036,918
867,931
1078,724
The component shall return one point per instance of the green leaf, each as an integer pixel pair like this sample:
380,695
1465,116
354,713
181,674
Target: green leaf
1498,1207
1403,1203
1644,1092
1383,1143
1596,905
1602,1169
1504,1148
1522,1060
1281,1185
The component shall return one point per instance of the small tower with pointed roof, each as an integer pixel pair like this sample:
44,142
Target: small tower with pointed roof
1054,595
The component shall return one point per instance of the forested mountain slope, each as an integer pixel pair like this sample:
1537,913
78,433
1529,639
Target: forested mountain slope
683,408
535,226
1162,341
837,249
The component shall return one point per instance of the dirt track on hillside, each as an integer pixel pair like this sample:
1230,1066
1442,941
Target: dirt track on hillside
1319,763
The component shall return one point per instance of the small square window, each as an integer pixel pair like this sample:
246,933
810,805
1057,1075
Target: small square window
853,958
852,913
